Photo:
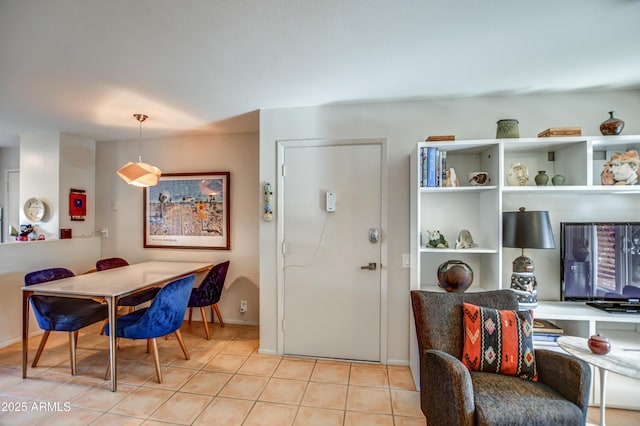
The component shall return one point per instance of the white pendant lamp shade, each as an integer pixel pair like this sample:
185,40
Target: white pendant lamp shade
140,174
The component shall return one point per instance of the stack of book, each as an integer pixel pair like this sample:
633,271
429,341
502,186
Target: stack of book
433,168
545,332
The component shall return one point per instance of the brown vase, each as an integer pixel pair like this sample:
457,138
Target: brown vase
455,276
612,126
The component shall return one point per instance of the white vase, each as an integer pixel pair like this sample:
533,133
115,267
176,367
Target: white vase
518,175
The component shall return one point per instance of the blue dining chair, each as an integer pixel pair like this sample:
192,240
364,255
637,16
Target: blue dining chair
163,317
132,300
208,294
67,314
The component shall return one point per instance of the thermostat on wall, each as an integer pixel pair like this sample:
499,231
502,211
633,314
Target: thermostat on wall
331,201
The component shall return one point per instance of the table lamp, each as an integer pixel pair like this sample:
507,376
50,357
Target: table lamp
524,229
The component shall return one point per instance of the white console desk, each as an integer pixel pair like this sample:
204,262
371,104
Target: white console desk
622,330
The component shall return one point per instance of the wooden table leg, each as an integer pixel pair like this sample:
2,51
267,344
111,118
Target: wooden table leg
26,295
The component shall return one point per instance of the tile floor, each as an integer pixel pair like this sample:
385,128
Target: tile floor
226,382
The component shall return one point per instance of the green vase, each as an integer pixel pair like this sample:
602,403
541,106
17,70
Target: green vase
542,178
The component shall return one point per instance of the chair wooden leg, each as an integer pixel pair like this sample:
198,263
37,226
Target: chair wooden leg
156,358
43,342
182,345
148,345
190,313
204,322
104,324
73,342
215,306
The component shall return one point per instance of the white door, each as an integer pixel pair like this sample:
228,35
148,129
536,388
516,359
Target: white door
332,278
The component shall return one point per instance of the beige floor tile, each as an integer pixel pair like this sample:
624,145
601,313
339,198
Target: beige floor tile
225,411
257,366
136,374
244,387
19,417
226,363
182,408
10,377
370,400
241,347
283,391
294,369
35,386
405,403
367,375
409,421
76,416
206,383
325,395
269,414
142,402
114,419
71,390
331,373
401,378
352,418
101,398
309,416
173,378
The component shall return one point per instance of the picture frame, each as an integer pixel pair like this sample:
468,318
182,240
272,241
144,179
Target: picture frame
188,211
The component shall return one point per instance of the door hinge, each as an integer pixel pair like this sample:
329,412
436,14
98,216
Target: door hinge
283,170
283,324
284,248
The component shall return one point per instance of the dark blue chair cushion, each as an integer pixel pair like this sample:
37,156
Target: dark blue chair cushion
67,313
164,316
62,313
210,290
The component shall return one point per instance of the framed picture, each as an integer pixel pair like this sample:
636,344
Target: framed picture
188,211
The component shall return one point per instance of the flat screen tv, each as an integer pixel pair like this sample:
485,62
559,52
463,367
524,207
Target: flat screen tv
600,261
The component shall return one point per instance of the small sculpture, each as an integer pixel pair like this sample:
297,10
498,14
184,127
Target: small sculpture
465,240
599,344
436,240
621,169
451,178
518,175
268,200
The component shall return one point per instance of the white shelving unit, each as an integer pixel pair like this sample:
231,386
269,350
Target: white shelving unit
479,209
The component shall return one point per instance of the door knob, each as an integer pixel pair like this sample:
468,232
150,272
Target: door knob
371,266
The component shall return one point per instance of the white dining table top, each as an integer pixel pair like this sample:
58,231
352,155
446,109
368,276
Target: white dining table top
119,281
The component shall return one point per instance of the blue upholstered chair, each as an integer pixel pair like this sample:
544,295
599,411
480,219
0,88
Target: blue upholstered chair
208,294
132,300
163,317
68,314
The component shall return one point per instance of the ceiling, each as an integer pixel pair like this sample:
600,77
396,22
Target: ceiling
85,66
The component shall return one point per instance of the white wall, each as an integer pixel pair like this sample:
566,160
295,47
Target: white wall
50,163
119,207
404,124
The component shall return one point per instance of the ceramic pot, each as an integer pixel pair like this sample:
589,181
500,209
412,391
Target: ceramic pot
507,129
542,178
611,126
557,180
455,276
599,344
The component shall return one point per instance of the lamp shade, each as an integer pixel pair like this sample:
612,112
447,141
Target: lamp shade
523,229
140,174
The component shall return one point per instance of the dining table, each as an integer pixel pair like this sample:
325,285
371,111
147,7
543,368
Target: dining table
108,286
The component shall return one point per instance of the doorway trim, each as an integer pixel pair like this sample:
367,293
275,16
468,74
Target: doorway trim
282,145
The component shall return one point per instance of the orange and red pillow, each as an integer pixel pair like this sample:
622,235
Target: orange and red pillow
499,341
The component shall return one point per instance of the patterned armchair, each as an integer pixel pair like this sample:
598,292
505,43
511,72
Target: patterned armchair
451,394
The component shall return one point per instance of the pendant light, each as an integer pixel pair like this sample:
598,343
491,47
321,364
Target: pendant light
140,174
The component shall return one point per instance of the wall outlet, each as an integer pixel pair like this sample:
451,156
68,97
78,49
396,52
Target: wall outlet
105,232
243,306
